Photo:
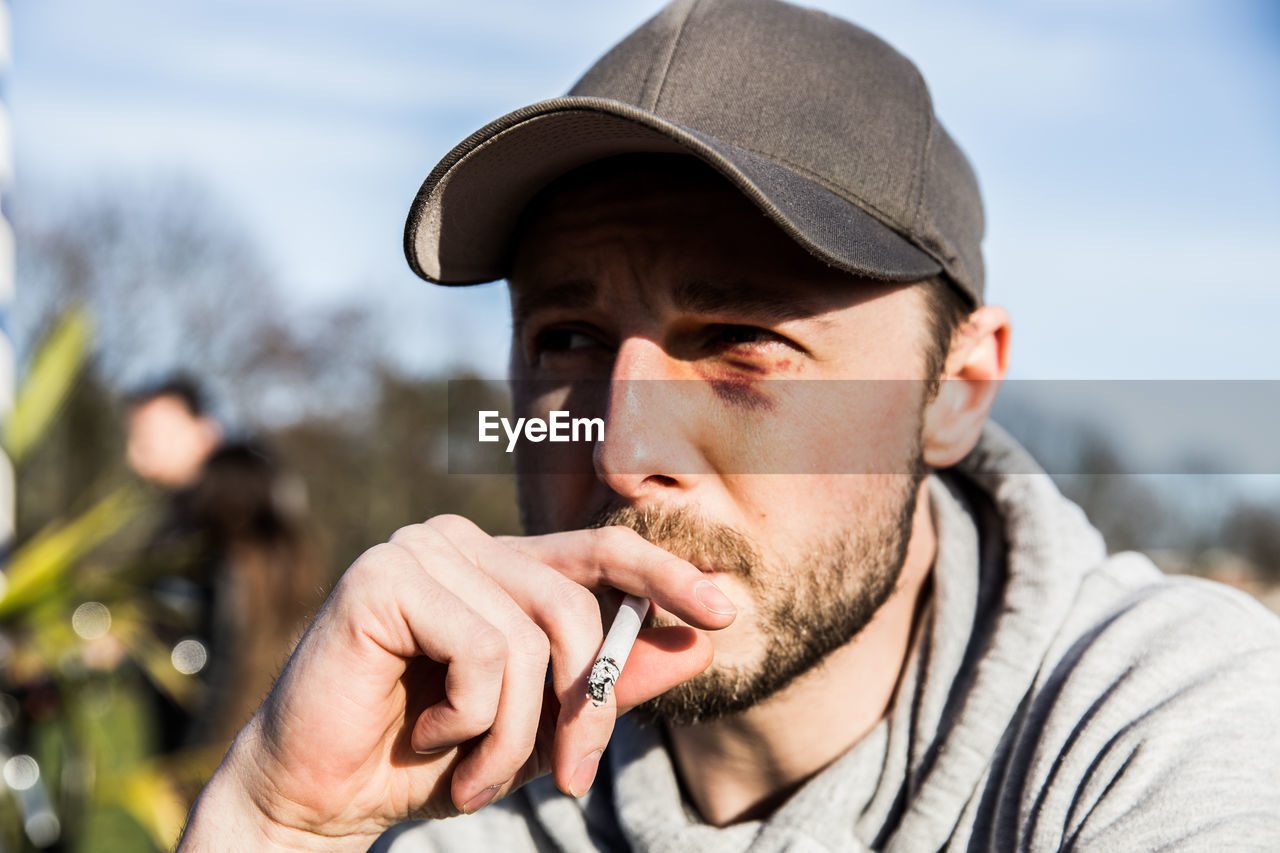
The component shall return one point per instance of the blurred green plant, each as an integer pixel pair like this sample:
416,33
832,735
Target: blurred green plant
58,361
79,770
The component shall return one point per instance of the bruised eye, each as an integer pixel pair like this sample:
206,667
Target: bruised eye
727,335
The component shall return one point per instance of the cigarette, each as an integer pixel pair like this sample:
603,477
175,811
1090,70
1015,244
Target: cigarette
617,647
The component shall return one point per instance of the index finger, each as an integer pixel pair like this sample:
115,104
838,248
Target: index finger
619,557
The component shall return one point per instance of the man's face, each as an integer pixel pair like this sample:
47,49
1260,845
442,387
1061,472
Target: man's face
731,369
167,444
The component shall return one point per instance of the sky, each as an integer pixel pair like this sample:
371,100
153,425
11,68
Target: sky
1127,149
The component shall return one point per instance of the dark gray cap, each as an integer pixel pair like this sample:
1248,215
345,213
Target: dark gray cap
829,130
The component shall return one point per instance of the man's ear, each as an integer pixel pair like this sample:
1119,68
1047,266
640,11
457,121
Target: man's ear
976,364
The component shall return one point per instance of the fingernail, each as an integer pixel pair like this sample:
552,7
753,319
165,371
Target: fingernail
432,750
585,774
481,800
710,597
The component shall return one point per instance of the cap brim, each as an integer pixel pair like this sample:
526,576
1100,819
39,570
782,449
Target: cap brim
460,225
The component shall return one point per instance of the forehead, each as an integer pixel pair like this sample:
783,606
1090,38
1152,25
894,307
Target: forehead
668,226
165,404
165,412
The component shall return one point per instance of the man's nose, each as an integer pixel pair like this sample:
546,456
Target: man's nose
653,426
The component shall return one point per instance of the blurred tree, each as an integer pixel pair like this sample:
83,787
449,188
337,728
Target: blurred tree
373,473
175,284
1127,511
1252,529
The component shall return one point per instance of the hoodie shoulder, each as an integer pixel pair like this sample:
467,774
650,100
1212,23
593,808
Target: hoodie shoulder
1153,722
1144,618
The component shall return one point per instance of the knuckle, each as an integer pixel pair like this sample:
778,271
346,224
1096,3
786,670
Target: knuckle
531,642
410,533
380,553
421,539
518,744
476,717
610,540
452,523
576,603
488,645
372,564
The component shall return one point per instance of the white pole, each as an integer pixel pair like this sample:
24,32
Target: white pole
7,285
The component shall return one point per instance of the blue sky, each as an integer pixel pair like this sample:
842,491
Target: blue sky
1128,150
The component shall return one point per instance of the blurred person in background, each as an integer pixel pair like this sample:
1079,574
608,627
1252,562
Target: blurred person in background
170,435
232,576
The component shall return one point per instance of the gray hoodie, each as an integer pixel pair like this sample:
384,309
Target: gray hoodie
1054,698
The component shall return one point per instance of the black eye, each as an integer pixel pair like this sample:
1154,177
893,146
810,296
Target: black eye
731,335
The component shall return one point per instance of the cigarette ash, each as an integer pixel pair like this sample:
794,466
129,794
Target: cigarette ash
604,674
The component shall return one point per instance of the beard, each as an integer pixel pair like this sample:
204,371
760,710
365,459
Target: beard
806,607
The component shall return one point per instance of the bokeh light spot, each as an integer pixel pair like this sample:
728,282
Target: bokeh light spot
21,772
91,620
189,656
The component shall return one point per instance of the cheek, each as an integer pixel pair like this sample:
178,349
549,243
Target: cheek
881,422
790,518
837,453
824,428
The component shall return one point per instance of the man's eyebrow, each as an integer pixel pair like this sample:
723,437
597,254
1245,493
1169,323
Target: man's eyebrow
744,298
575,293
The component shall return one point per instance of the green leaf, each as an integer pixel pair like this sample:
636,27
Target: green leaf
53,371
36,568
149,796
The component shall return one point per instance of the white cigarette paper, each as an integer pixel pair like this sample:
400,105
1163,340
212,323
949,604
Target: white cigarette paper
617,647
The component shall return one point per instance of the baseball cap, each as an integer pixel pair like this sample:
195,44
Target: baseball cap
825,127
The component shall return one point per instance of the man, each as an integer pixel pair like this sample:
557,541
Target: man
170,435
227,565
746,240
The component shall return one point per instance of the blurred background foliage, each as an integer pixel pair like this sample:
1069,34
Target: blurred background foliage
133,286
172,285
130,283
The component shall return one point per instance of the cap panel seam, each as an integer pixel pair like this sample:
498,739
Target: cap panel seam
922,166
924,174
652,106
644,84
856,200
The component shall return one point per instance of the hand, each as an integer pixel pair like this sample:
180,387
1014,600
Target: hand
420,690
